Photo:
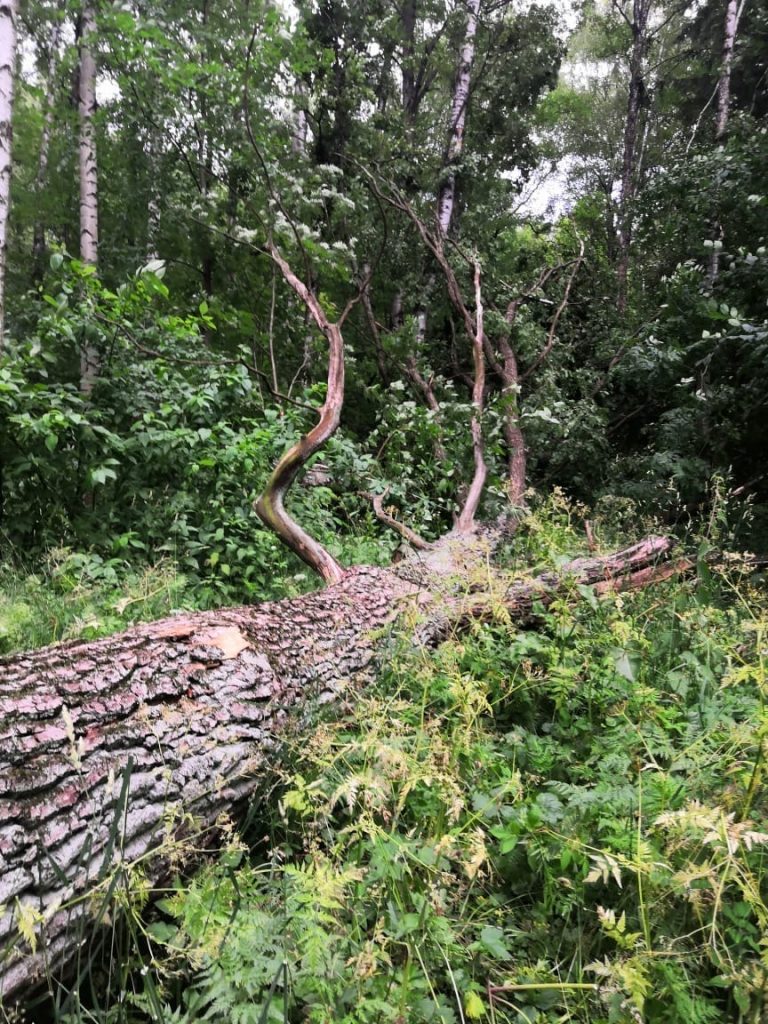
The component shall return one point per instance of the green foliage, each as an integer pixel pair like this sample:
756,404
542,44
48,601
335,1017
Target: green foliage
573,814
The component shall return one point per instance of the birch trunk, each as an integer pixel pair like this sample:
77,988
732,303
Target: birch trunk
732,16
154,204
447,195
38,231
8,18
89,185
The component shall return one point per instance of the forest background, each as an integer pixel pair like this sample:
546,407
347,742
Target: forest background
557,824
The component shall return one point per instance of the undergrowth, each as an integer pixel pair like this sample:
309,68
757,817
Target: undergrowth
563,823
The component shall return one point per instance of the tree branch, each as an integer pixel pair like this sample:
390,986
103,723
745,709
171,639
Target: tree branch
405,532
270,506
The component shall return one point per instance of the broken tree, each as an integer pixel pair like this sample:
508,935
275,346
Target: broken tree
113,749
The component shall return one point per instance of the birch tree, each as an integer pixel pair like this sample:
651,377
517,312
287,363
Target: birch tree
447,196
88,173
8,18
732,17
38,231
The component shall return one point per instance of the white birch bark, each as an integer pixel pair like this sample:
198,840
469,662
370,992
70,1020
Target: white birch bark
154,204
88,169
38,233
732,17
8,16
447,195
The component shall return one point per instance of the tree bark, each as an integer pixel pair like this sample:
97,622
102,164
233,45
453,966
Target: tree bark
640,41
447,195
112,751
732,16
8,19
38,231
88,172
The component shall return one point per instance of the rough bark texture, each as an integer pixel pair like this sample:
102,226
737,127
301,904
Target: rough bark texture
109,749
193,704
8,17
88,173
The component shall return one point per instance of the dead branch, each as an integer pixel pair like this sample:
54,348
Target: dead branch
270,505
405,532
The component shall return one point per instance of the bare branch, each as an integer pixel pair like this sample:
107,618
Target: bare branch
270,506
466,519
405,532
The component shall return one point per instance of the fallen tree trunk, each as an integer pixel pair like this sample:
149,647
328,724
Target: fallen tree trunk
111,749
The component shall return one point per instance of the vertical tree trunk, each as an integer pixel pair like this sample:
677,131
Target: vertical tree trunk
89,184
732,16
154,202
38,231
447,196
640,40
300,125
8,16
408,22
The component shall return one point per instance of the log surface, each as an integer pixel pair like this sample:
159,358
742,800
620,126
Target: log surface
110,749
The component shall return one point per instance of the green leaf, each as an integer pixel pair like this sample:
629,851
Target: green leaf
492,939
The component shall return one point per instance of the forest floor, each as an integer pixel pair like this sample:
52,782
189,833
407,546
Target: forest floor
566,822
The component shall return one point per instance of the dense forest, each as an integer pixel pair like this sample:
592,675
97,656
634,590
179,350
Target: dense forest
384,511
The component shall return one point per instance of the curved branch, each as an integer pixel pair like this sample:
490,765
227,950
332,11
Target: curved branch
405,532
270,506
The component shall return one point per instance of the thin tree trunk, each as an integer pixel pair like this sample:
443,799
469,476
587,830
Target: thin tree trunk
154,204
8,18
514,440
447,195
112,752
89,184
640,41
300,125
732,16
409,97
38,231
